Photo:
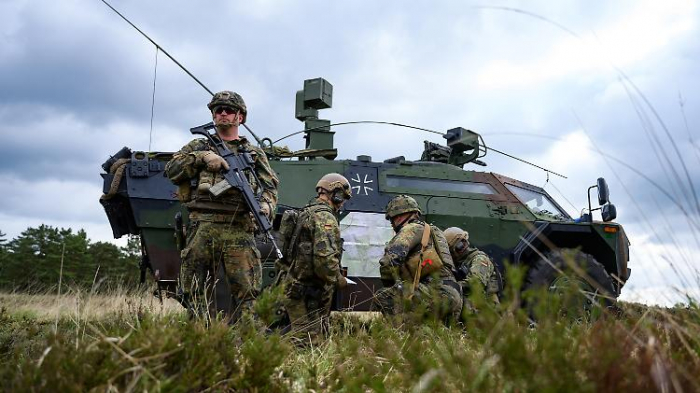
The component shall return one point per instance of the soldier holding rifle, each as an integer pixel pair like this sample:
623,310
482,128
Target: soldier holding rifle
221,231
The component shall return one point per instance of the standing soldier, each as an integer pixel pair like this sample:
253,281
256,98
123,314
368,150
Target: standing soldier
472,264
416,268
314,253
221,231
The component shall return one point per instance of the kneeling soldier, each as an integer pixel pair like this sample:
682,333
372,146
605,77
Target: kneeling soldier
472,264
417,269
314,255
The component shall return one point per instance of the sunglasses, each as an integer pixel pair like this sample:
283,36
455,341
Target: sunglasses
221,109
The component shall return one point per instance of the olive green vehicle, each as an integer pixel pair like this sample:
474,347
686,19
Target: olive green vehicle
514,222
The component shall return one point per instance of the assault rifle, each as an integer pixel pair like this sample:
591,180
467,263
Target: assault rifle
240,164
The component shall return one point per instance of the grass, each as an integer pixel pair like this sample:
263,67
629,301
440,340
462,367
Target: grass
83,304
129,341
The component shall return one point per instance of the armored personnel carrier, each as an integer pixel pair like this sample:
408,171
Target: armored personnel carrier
514,222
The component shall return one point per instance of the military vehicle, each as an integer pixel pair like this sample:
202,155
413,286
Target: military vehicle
514,222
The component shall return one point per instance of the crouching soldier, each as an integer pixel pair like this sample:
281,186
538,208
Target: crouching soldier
314,254
472,266
417,269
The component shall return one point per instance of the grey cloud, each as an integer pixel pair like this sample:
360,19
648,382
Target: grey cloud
76,85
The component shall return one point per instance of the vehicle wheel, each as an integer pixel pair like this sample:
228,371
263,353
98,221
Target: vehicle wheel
567,283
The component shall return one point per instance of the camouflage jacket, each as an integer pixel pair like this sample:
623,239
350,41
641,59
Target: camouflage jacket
187,164
476,264
405,244
317,250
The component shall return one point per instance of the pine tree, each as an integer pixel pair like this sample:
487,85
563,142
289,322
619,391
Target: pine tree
33,260
36,254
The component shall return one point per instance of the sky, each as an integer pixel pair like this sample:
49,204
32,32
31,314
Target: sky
587,89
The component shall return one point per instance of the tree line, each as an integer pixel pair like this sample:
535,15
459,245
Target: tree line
39,257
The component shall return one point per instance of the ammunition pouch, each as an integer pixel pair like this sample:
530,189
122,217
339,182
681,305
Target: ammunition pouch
184,192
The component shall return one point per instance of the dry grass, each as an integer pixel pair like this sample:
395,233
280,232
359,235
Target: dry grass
81,305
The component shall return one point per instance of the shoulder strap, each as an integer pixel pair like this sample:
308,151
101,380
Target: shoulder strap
424,246
426,235
435,245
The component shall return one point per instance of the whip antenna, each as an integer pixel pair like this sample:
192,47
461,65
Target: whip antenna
174,61
419,129
153,99
158,46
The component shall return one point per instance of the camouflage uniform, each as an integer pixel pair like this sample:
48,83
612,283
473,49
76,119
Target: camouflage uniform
472,265
314,270
476,264
438,294
221,232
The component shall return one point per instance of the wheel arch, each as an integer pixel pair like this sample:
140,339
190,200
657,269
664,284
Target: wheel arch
546,236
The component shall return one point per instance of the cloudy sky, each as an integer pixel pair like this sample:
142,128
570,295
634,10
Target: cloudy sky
585,88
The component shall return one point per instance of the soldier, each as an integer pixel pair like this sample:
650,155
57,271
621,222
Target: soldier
416,268
314,254
221,231
472,264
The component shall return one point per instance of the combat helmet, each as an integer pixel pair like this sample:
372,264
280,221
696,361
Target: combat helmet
457,240
333,182
229,98
401,204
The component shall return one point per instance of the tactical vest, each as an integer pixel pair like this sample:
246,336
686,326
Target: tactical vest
298,247
231,201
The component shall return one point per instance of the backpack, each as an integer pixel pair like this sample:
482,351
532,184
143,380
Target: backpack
428,261
290,228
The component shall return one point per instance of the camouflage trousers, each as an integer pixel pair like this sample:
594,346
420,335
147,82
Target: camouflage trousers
309,308
221,270
438,300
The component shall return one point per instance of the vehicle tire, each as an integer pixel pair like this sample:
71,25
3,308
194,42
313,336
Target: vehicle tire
567,283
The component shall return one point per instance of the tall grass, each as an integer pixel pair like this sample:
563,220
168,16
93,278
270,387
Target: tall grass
132,342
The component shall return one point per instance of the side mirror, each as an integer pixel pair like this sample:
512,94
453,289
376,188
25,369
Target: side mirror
609,212
603,192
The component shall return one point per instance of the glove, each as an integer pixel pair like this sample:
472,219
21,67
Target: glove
342,282
214,162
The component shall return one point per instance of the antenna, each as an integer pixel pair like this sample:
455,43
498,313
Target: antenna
174,61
